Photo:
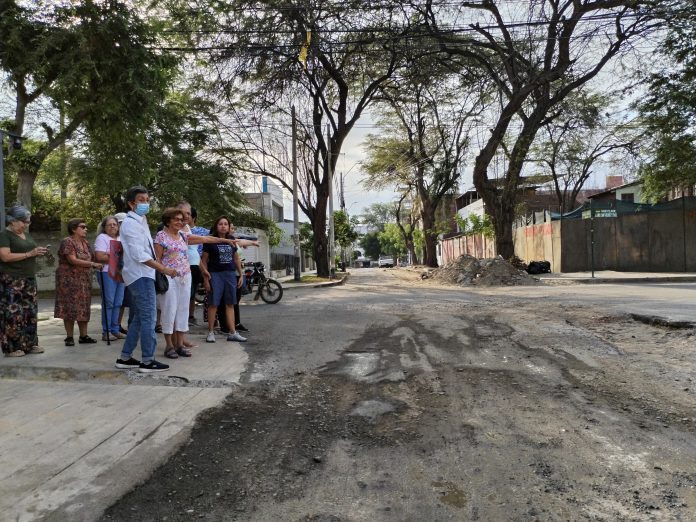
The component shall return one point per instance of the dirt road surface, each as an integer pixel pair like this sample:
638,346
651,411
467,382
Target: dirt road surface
393,399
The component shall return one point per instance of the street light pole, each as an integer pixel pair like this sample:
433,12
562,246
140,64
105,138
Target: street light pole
332,253
295,202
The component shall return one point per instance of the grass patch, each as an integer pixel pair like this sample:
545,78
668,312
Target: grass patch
317,279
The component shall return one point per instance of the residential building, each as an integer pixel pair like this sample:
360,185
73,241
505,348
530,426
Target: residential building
269,203
631,192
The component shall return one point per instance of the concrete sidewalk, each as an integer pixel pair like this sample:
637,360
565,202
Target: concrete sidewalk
612,277
76,433
289,282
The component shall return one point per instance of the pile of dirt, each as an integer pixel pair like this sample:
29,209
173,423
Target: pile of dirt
468,270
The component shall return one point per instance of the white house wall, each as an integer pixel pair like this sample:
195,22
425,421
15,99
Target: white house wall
475,208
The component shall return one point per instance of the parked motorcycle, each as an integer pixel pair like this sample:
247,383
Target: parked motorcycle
267,288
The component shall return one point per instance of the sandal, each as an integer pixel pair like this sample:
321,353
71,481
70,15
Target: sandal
86,339
184,352
158,328
171,353
69,341
16,353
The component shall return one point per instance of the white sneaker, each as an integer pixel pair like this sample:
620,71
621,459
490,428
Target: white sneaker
236,337
210,338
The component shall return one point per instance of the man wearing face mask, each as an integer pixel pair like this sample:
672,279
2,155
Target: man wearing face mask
139,265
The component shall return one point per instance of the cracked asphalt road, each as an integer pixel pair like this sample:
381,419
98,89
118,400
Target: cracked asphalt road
393,399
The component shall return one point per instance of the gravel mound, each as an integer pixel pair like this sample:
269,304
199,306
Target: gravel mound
467,270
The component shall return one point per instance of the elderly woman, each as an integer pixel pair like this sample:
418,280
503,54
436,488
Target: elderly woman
74,282
18,307
112,290
171,249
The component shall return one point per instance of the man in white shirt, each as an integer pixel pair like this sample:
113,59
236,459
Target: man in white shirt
139,265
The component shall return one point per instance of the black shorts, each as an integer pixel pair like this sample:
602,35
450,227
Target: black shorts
196,279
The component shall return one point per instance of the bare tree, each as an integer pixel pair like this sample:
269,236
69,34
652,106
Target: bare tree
583,135
407,220
425,137
536,56
329,59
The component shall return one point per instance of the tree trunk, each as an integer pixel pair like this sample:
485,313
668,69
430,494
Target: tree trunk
430,256
321,240
321,244
503,220
25,185
412,253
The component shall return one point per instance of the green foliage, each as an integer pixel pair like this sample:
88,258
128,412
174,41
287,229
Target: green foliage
669,109
391,240
378,214
419,241
307,239
371,245
96,63
475,224
275,234
344,233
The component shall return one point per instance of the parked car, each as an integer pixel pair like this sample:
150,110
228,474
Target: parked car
385,262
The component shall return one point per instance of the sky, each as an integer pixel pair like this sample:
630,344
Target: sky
352,154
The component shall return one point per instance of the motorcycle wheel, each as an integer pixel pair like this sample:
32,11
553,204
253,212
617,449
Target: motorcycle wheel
199,295
271,291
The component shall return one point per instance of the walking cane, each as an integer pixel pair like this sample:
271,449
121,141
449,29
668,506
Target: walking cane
103,306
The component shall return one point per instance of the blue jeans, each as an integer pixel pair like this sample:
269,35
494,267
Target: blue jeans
113,299
141,324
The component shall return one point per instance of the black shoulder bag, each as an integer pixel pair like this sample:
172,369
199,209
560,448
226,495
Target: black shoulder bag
161,281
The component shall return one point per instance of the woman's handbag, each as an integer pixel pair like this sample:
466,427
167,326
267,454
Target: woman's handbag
161,281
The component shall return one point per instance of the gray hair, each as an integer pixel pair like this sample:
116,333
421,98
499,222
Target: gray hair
102,224
18,213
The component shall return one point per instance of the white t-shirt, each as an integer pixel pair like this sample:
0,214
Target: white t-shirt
103,244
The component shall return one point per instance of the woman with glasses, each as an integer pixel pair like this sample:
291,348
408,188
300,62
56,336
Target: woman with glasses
18,307
112,290
171,249
74,282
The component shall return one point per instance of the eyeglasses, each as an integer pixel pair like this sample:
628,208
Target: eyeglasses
81,226
27,222
178,219
112,224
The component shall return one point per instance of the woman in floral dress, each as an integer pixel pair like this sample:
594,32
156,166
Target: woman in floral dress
74,282
18,308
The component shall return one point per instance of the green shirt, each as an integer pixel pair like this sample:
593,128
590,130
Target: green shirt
17,245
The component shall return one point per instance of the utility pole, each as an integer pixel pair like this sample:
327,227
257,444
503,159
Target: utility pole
332,253
295,201
342,203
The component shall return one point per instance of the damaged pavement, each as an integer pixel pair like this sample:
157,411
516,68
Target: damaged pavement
392,398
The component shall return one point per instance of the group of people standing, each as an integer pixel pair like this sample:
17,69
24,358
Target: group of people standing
184,253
